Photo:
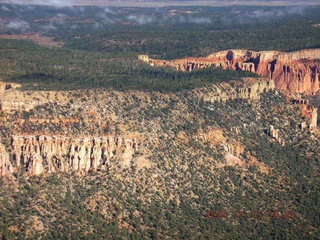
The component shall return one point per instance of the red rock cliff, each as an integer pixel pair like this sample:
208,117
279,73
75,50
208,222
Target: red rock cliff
294,71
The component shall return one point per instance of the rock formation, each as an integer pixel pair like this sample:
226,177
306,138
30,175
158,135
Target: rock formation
248,88
274,133
309,111
36,155
5,165
14,105
314,118
294,71
4,86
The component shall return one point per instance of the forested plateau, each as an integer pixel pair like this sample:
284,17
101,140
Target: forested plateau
99,141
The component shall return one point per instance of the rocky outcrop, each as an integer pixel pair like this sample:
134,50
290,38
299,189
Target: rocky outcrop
309,111
247,88
17,105
4,86
274,133
289,72
294,71
36,155
314,118
9,100
6,168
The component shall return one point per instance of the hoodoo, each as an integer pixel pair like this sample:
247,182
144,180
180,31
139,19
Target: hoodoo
297,71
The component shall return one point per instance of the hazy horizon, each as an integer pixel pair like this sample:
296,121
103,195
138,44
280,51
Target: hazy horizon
159,3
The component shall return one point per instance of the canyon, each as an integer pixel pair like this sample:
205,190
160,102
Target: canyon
293,72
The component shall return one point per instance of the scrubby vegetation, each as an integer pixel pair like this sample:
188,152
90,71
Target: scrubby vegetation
173,198
41,68
102,44
190,191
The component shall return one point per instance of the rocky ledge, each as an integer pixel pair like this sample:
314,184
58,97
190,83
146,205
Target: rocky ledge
35,155
297,71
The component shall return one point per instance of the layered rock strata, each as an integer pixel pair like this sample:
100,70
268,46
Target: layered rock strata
36,155
251,88
248,88
297,71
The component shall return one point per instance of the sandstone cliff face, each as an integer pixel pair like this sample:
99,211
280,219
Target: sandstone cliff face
295,71
36,155
6,168
248,89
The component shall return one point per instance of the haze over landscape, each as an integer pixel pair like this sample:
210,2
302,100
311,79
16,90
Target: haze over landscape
159,119
158,3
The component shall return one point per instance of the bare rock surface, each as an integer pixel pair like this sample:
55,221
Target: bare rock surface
297,71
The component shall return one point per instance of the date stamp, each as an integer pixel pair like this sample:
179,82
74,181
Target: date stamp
251,214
